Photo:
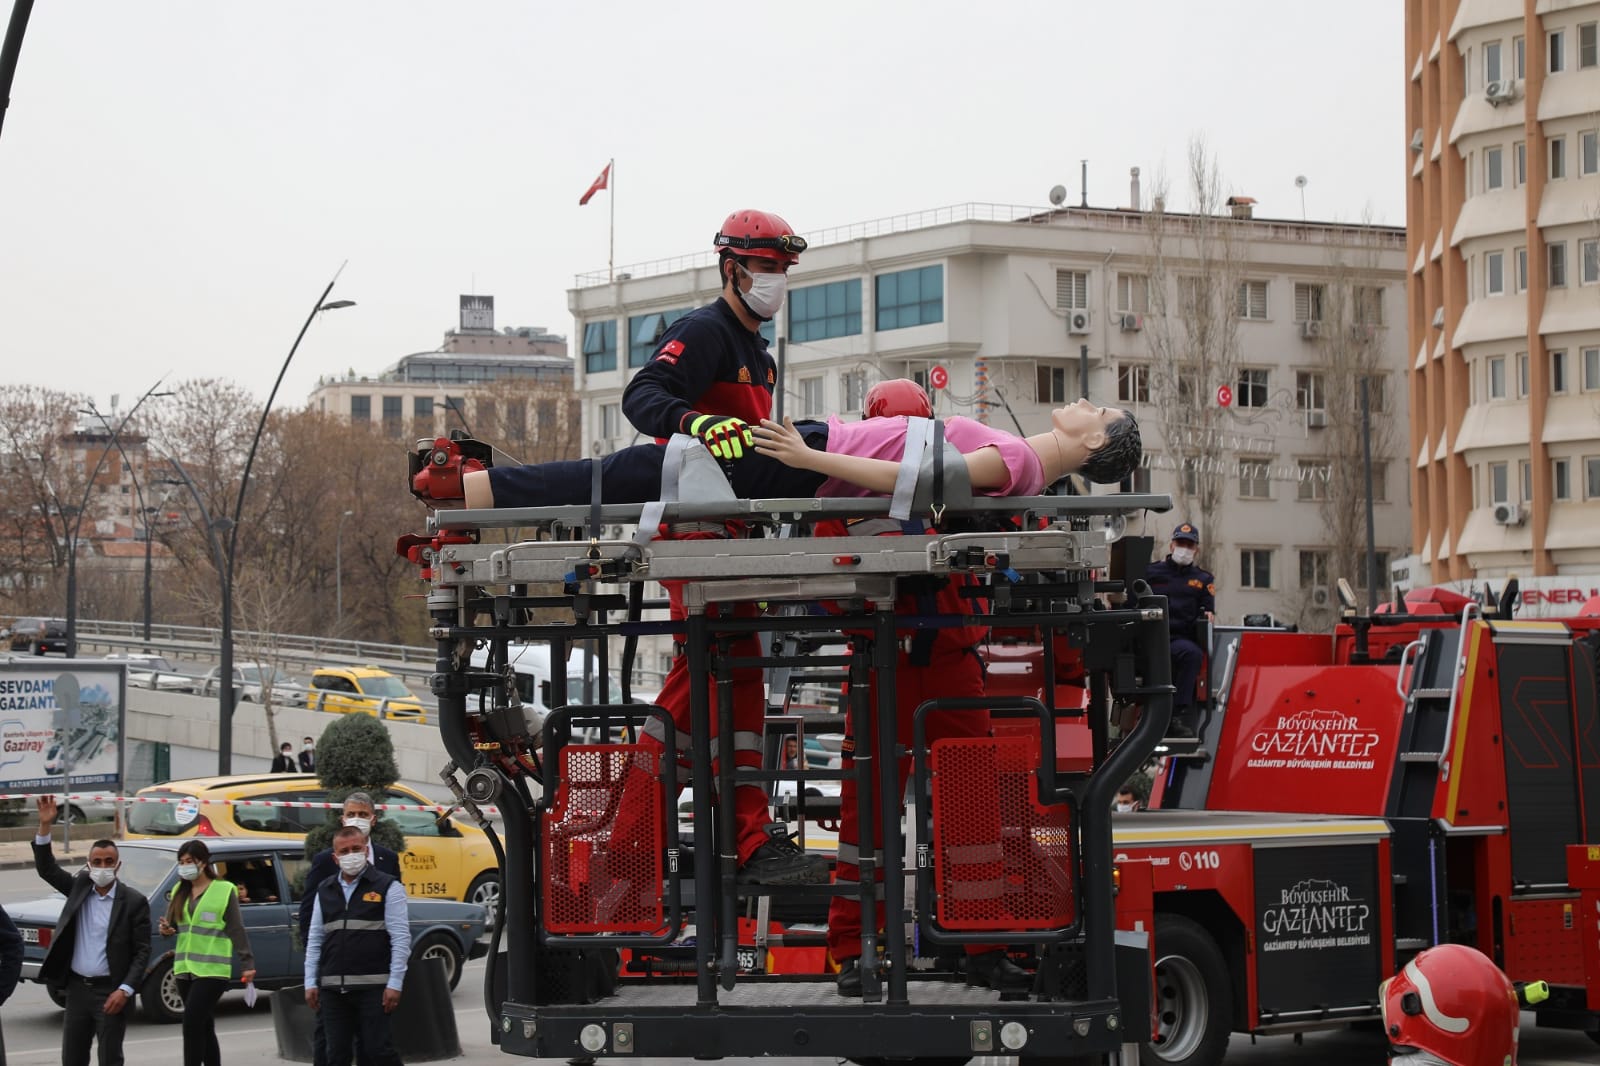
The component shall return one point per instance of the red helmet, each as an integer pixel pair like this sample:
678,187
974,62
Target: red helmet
1452,1003
897,396
760,234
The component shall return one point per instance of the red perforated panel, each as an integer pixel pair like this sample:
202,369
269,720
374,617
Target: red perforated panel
1001,860
592,883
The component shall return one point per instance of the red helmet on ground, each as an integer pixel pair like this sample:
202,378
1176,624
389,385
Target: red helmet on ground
897,396
1453,1004
760,234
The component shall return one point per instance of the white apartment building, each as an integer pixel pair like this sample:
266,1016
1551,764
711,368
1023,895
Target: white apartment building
1013,304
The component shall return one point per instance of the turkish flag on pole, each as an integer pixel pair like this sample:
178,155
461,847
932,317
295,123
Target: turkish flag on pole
599,183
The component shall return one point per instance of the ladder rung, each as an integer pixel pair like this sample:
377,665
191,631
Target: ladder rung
1430,694
1421,756
1410,943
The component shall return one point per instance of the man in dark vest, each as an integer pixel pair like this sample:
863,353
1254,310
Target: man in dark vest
356,954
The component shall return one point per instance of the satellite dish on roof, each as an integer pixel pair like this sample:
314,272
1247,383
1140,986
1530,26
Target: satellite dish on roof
1300,181
1058,195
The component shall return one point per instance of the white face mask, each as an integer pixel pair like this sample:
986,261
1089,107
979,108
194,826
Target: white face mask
102,875
1183,556
307,746
363,824
352,863
188,871
766,294
1124,808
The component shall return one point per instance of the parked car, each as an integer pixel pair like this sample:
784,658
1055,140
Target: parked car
444,859
363,690
38,635
250,681
270,875
155,671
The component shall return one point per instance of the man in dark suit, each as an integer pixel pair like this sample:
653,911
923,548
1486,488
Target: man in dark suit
308,757
360,813
101,945
10,966
283,762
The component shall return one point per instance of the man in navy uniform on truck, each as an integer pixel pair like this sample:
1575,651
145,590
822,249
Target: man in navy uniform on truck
1191,599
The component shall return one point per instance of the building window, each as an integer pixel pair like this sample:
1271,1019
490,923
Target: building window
811,397
1254,480
1255,568
393,408
1252,301
1589,152
1491,61
1497,377
600,346
855,390
1133,293
910,297
1520,276
1051,384
1558,158
822,311
1525,475
1589,258
1191,477
1312,478
1368,309
1558,373
1133,383
422,408
1591,478
361,408
1310,391
1072,290
1494,274
1522,375
1558,264
1314,570
1137,481
1188,390
1308,302
1499,487
1253,385
1380,481
1555,49
1591,369
1588,46
1494,168
1519,58
1561,476
645,331
1519,163
610,421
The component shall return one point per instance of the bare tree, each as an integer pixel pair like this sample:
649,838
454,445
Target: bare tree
1195,268
40,487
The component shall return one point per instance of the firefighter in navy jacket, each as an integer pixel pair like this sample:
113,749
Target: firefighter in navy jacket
1191,599
711,377
356,954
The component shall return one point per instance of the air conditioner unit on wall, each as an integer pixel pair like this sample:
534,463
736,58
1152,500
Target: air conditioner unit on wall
1509,514
1311,330
1500,92
1131,323
1316,419
1078,322
1319,596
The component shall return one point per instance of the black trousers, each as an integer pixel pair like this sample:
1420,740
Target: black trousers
319,1046
87,1022
359,1012
200,995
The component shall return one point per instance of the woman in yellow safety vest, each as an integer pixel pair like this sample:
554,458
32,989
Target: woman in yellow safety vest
204,913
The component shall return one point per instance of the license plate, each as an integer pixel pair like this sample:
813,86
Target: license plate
30,935
748,961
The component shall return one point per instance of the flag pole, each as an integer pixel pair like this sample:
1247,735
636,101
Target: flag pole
611,253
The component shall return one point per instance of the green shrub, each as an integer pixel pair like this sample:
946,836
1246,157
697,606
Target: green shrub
356,754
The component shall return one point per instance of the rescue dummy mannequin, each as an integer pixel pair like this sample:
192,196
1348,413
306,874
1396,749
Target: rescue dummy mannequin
834,458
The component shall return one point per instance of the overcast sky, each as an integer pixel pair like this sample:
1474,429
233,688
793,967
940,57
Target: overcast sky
180,178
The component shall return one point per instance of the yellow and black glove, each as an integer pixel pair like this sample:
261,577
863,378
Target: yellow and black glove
726,437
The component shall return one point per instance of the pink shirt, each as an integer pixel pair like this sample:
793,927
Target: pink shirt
885,438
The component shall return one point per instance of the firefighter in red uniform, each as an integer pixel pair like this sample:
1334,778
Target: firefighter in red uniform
711,377
930,664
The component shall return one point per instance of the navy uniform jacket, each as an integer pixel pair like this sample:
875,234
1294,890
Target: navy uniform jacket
324,866
1190,593
706,363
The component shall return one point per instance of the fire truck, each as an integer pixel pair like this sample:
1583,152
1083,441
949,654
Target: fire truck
619,942
1427,774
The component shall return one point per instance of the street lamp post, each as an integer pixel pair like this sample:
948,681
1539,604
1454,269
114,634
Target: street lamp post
138,492
225,694
77,522
338,573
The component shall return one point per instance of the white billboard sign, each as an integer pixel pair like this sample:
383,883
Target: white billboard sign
61,725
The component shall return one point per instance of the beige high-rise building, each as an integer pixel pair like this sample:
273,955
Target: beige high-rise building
1503,221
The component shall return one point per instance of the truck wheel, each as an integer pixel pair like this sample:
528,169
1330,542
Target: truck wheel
1194,996
160,996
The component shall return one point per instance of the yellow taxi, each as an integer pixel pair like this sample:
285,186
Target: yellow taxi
363,690
444,858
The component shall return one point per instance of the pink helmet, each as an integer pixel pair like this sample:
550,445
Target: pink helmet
1456,1005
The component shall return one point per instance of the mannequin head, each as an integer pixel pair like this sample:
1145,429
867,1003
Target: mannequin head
1101,443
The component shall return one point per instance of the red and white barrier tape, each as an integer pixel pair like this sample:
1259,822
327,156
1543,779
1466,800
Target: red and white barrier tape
112,797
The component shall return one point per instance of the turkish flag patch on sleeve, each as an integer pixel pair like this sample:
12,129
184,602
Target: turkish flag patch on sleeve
670,351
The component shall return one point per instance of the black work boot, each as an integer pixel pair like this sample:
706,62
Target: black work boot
848,981
780,861
994,970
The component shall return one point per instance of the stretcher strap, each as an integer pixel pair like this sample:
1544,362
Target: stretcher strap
671,469
938,471
919,432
